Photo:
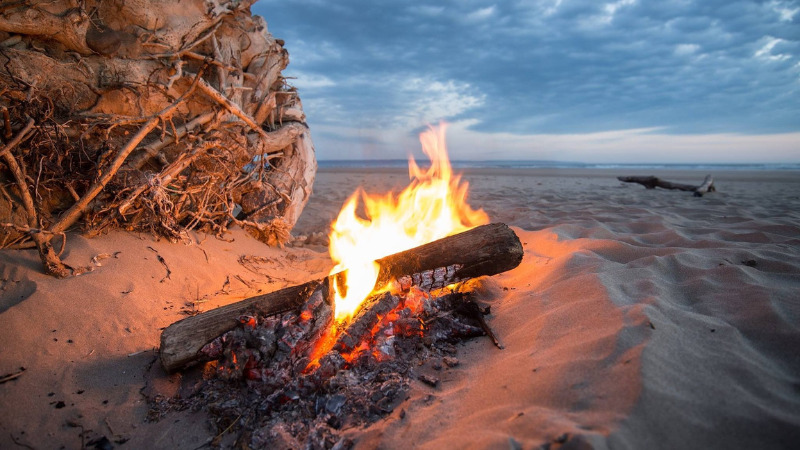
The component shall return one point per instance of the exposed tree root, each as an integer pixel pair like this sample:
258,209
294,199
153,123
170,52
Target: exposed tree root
146,115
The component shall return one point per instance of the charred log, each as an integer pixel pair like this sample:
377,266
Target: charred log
485,250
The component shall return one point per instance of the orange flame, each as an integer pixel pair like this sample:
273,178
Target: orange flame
431,207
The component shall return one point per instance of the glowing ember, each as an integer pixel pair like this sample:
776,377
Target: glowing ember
431,207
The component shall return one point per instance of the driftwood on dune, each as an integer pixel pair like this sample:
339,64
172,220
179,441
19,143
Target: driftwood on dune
485,250
148,115
651,182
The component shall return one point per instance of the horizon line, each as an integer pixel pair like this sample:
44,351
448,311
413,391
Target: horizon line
555,161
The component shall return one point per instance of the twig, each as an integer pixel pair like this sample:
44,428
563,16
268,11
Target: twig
7,123
105,419
163,262
203,36
30,232
230,106
214,62
17,139
12,376
21,444
177,75
217,438
226,285
238,277
97,258
204,253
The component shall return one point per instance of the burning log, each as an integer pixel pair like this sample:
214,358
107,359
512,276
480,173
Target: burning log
485,250
652,182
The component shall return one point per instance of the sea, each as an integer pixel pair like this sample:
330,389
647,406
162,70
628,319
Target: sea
528,164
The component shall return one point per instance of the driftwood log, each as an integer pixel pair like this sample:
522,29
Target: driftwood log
151,115
485,250
651,182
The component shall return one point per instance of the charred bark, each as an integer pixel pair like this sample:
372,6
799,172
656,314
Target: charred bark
485,250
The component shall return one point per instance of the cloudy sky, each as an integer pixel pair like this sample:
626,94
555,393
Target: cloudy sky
567,80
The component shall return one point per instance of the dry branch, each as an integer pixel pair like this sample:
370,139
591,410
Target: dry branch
153,149
50,260
485,250
230,106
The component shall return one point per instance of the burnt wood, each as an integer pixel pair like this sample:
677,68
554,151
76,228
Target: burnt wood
651,182
484,250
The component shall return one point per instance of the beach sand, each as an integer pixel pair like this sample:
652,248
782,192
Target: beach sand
637,319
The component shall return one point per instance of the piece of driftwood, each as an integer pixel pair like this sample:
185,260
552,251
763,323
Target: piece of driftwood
148,115
485,250
651,182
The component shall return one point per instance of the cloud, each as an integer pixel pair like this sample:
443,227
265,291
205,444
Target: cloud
650,145
785,11
611,8
426,10
686,49
431,100
606,14
646,145
766,51
481,14
311,81
409,102
306,51
544,68
552,9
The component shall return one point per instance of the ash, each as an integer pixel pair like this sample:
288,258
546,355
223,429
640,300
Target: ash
264,388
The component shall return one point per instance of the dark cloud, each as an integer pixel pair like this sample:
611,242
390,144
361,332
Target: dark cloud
546,67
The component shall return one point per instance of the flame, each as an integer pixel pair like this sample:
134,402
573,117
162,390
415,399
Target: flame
431,207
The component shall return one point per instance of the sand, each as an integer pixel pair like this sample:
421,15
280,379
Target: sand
637,319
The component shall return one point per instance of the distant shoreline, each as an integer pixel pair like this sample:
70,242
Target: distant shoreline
523,164
720,173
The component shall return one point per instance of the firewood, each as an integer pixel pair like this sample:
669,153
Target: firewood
364,322
485,250
652,182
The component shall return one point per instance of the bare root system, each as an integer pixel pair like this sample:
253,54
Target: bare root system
146,118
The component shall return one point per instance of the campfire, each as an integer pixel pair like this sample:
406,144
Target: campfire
303,362
431,207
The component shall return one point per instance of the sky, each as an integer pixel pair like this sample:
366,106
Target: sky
621,81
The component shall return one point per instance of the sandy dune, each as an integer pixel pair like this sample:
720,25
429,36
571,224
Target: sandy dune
638,319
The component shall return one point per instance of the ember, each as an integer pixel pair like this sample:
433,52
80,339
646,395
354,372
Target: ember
259,370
